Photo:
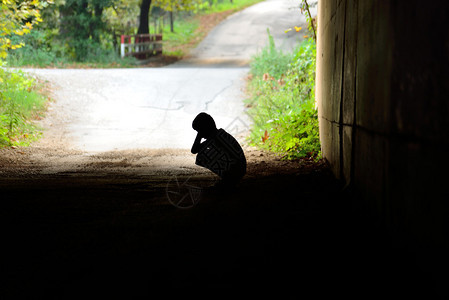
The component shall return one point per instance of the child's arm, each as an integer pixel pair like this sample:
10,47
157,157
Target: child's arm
197,144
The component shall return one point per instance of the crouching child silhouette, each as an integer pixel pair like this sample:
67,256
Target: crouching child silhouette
220,152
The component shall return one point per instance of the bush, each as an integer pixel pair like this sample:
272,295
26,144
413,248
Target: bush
282,105
42,49
37,51
19,105
271,60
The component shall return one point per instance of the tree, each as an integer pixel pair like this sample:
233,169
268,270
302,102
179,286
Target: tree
144,17
167,5
82,24
17,18
122,17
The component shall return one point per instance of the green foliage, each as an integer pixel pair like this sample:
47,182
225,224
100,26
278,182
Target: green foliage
122,17
19,105
82,26
271,60
38,50
87,32
179,5
42,49
305,9
282,106
17,18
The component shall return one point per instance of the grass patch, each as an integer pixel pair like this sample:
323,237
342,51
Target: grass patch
282,101
185,36
21,103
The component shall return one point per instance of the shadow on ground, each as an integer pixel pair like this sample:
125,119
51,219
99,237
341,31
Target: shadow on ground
290,232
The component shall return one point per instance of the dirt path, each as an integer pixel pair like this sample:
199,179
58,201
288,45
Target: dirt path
106,228
103,225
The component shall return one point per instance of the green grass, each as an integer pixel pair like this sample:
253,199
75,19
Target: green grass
282,102
178,43
20,105
236,5
271,60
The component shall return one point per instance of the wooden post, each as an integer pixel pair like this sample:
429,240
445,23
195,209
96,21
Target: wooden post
122,46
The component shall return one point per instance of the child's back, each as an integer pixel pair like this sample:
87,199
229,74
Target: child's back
223,156
220,153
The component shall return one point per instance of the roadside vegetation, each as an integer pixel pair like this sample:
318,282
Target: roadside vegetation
20,99
282,100
21,102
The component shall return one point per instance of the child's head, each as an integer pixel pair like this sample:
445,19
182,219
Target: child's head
204,124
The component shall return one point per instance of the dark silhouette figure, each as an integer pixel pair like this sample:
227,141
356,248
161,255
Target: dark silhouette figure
220,152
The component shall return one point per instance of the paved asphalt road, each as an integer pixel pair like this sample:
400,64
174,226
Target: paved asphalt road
244,34
116,109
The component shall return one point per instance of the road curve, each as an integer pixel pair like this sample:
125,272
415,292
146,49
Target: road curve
235,40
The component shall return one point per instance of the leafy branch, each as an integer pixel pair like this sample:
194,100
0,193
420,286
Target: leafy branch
17,18
305,9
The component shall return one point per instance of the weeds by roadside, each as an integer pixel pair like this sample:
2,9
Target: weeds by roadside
282,102
20,104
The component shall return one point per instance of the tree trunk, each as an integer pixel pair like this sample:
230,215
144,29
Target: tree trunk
171,22
96,24
144,17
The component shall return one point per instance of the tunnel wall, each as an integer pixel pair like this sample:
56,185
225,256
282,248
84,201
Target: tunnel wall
382,91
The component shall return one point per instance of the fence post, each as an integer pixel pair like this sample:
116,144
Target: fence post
122,46
140,45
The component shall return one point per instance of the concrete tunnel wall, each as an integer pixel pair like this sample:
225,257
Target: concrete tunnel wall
382,91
